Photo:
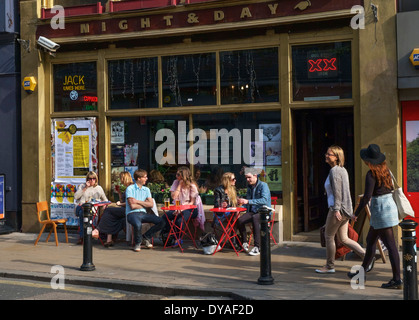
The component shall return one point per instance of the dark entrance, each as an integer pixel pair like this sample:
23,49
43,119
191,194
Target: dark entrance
314,132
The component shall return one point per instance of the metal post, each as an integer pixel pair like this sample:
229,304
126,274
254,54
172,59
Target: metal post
265,247
87,238
410,281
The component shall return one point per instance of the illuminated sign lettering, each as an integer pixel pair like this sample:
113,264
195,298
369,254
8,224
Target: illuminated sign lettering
89,99
322,65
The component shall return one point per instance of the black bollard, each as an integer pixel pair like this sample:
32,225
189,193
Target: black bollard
87,238
410,281
265,247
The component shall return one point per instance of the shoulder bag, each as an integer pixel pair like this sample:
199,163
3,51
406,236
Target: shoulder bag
403,205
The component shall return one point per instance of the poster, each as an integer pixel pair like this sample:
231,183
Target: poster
73,149
117,132
2,197
274,177
273,145
62,202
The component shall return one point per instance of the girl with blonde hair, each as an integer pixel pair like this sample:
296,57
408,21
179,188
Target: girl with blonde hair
113,218
85,193
225,195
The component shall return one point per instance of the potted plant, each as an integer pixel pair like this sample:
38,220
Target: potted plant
209,197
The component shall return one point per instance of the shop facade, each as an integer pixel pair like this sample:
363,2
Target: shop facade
408,86
211,85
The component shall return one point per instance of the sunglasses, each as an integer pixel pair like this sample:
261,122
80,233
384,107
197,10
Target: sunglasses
91,178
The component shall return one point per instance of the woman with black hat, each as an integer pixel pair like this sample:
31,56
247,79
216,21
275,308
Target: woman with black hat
384,216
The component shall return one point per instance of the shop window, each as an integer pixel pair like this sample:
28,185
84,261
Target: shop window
322,72
75,87
189,80
133,83
249,76
220,143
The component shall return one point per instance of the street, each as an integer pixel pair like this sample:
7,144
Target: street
16,289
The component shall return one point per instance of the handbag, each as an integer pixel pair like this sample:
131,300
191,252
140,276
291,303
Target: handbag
341,250
403,205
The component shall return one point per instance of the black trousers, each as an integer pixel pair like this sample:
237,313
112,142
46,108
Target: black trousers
250,217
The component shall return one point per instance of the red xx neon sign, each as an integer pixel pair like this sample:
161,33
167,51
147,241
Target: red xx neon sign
322,65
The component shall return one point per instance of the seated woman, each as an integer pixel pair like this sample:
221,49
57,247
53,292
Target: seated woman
225,195
113,218
184,189
85,193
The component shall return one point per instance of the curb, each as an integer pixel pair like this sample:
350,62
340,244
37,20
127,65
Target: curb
130,286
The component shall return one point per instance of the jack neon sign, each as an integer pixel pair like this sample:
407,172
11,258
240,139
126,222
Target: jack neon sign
322,65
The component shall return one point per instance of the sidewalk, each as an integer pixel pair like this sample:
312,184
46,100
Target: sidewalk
192,273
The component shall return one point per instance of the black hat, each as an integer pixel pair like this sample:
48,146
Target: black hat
372,154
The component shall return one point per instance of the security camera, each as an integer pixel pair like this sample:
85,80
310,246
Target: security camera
47,44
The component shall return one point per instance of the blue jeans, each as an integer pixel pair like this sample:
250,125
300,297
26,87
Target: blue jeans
178,222
136,219
79,213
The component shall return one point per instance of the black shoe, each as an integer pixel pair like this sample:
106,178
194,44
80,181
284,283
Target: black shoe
369,268
393,284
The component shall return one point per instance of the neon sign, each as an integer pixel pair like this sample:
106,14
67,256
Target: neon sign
322,65
90,99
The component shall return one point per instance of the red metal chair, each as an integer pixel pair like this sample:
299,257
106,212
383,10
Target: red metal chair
272,221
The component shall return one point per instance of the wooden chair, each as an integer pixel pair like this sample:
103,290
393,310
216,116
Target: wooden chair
43,206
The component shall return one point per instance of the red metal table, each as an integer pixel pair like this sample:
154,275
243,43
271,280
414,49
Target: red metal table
174,229
228,229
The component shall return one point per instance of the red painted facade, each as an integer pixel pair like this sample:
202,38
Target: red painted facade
188,17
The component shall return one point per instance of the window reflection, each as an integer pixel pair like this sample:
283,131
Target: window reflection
189,80
133,83
249,76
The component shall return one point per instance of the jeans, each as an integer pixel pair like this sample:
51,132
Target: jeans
79,213
178,222
136,219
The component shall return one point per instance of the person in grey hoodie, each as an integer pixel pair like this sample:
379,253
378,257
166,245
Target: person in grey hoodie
340,208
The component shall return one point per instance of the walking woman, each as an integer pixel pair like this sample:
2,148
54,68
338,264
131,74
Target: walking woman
384,216
340,208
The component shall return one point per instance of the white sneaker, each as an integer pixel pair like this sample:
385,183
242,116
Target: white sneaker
325,270
254,252
245,246
148,244
137,248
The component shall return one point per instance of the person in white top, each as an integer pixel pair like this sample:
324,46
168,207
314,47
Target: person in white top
340,208
85,193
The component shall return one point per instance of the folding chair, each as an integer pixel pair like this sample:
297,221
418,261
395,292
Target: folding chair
43,206
271,222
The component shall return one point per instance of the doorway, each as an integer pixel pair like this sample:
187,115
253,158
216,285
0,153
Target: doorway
314,132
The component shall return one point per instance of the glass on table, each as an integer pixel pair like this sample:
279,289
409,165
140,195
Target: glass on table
166,202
